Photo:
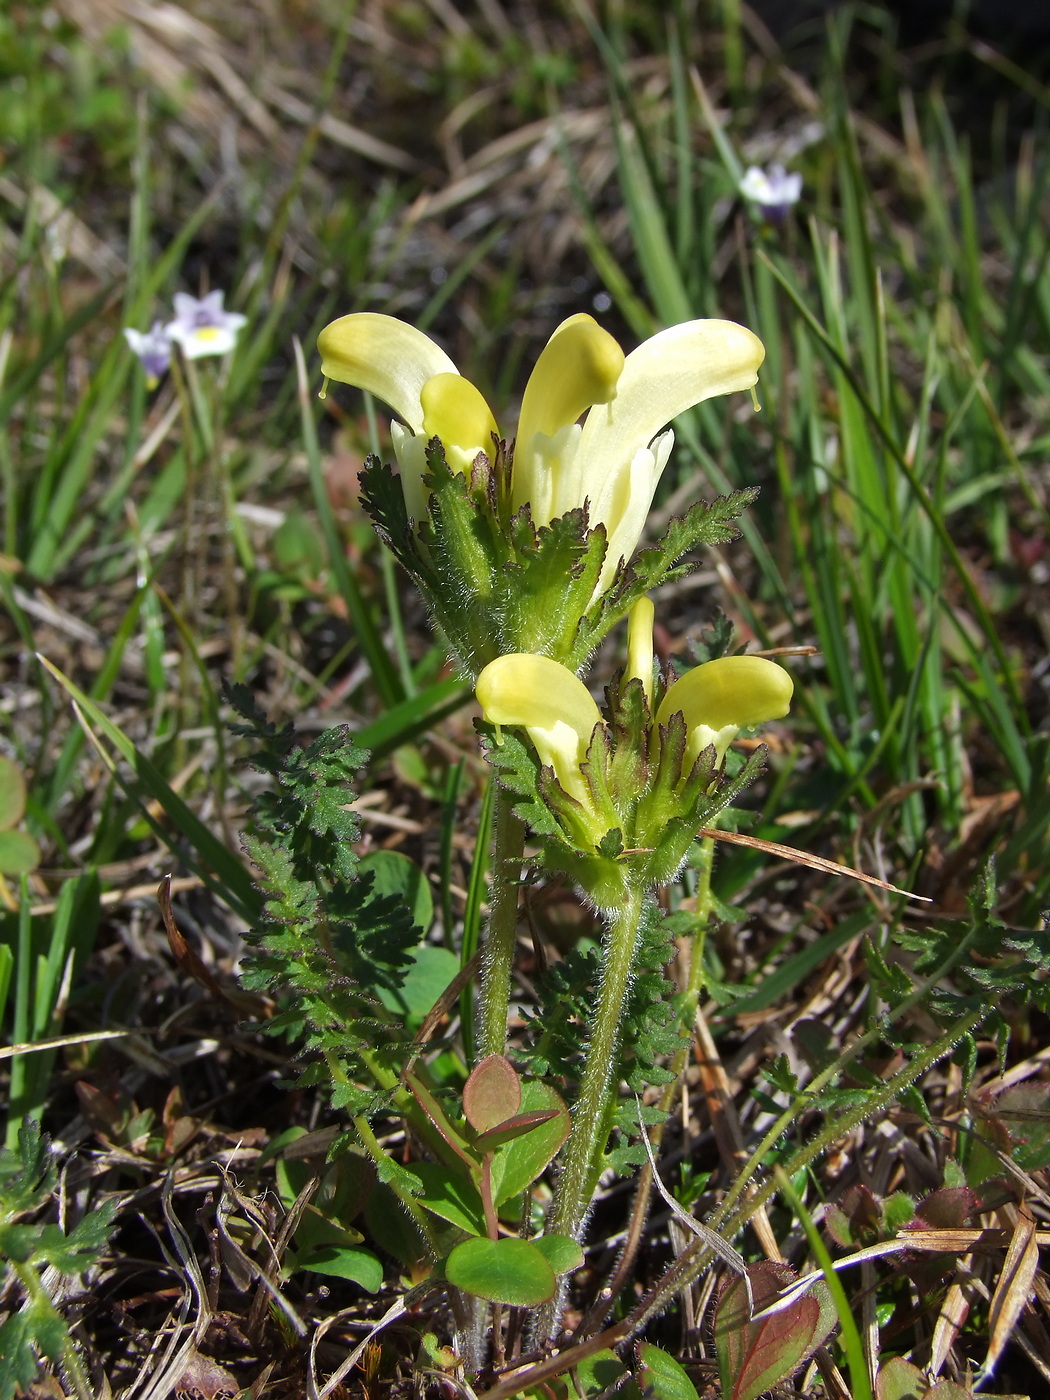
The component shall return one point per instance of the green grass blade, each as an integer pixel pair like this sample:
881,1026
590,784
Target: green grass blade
220,869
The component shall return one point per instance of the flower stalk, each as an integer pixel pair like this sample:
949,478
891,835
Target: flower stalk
590,1118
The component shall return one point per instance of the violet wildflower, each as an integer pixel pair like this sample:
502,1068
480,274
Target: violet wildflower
202,327
153,349
774,193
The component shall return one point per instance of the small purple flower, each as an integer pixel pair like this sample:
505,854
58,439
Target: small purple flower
153,348
774,193
202,327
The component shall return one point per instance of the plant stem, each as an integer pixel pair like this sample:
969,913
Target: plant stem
689,1265
572,1198
508,842
692,991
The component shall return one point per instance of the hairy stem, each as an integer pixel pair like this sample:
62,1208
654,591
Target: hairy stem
508,842
590,1116
640,1209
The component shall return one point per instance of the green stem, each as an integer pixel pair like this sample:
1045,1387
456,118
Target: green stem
411,1207
691,1000
572,1198
729,1220
70,1362
508,842
835,1129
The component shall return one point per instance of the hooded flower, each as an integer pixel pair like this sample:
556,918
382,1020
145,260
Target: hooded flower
202,327
611,462
716,699
548,701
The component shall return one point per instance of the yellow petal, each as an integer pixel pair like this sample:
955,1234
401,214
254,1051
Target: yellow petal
669,373
456,412
384,356
551,703
640,645
721,697
579,366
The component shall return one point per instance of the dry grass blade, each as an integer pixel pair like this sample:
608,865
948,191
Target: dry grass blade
725,1123
397,1309
58,1042
176,1358
950,1321
1014,1289
711,1238
829,867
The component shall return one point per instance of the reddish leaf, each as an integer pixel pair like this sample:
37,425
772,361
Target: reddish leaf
754,1356
899,1380
492,1094
950,1208
512,1128
856,1220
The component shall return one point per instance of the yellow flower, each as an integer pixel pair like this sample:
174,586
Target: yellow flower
716,699
612,461
721,697
551,704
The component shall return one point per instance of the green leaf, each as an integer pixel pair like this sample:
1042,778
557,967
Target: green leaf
662,1376
451,1195
604,1373
561,1252
12,794
392,1229
429,972
18,1364
517,1164
357,1265
19,853
899,1380
27,1176
394,874
503,1271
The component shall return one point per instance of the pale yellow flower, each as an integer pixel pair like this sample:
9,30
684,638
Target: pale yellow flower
612,461
716,699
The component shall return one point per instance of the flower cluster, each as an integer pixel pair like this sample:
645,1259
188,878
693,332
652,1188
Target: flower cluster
612,461
527,545
200,327
631,784
526,552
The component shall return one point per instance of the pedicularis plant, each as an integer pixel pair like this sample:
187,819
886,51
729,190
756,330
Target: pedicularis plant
526,551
